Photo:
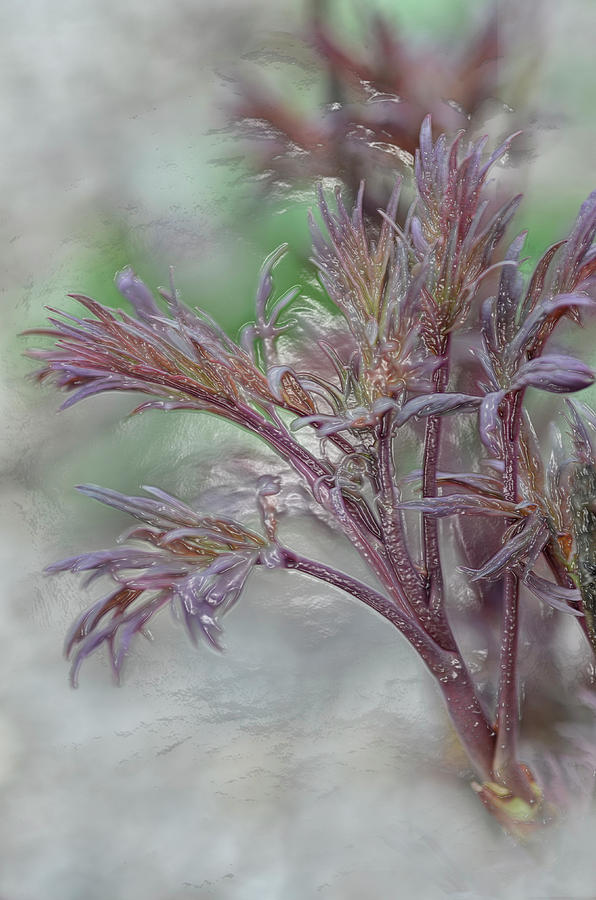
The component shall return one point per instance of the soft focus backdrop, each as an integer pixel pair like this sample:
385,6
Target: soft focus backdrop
313,759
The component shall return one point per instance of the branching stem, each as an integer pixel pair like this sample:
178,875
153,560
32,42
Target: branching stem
395,540
347,512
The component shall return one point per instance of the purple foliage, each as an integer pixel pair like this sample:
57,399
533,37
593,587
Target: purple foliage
196,564
400,294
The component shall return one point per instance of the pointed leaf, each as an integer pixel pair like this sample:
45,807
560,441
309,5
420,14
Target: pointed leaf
554,595
556,373
438,404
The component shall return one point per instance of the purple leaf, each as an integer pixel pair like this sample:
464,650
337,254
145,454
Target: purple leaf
578,246
554,595
92,637
352,418
489,423
538,278
550,309
582,442
436,405
586,411
510,288
165,510
556,373
268,485
265,286
183,357
200,562
137,293
475,481
527,542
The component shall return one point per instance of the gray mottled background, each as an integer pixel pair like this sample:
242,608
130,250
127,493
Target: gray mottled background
313,759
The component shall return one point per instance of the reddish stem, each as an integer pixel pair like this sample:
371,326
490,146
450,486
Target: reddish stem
506,767
394,539
430,525
392,520
347,512
465,710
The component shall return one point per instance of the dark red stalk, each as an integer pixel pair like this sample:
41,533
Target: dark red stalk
392,519
465,710
394,538
506,767
430,525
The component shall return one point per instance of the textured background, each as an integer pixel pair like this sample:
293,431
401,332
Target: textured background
314,758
